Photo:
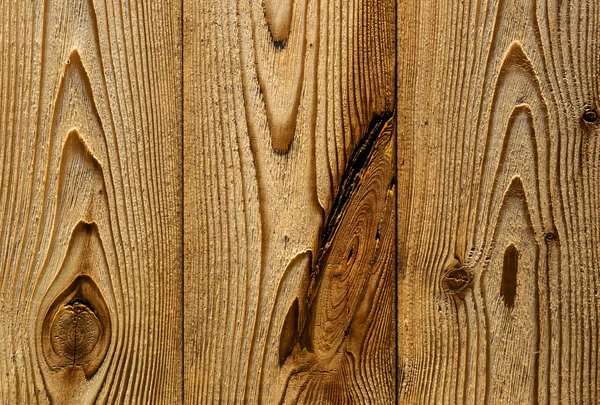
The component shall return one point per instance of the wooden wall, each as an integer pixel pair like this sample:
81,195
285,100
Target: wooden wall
299,201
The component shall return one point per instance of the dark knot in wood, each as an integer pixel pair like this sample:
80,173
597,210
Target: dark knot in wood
456,280
77,328
75,332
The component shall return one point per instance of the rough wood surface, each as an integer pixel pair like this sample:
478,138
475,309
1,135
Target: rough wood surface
497,202
289,270
90,202
299,201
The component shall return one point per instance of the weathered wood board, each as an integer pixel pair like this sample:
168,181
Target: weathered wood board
90,202
289,262
497,202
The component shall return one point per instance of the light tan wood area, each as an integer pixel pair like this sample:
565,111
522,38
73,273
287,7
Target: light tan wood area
90,202
498,150
299,202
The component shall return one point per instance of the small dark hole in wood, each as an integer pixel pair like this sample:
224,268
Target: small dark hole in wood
82,301
590,116
508,287
392,184
350,253
279,44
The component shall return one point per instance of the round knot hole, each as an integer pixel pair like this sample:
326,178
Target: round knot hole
75,332
456,280
77,328
589,115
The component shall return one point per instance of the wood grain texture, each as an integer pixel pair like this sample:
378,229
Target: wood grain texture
90,202
299,201
498,201
279,95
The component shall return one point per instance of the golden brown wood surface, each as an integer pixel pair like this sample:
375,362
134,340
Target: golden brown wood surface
90,202
498,212
299,202
289,273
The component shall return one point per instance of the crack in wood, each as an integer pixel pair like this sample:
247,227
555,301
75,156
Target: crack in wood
359,161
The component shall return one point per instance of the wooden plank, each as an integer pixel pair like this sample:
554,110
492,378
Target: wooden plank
90,208
289,269
498,183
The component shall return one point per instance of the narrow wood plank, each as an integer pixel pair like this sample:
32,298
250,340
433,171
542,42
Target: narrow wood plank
498,200
278,96
90,202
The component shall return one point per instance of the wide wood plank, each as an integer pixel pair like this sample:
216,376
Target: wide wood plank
90,202
498,201
289,173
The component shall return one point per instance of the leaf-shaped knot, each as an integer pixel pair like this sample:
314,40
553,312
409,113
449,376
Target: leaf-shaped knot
76,330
